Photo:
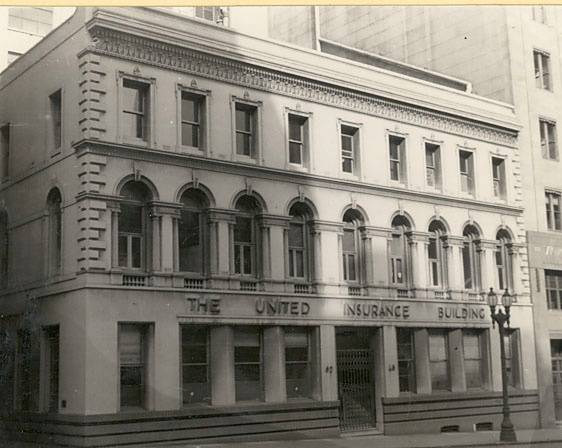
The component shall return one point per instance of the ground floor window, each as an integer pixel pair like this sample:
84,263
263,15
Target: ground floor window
52,367
439,360
297,362
556,357
406,362
27,374
195,364
472,352
248,367
132,364
512,362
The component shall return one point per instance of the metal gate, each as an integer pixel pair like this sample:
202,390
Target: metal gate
557,378
355,389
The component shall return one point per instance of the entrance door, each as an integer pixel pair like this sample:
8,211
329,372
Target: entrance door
556,355
356,389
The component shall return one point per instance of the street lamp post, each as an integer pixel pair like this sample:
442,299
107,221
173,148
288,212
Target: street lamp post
507,433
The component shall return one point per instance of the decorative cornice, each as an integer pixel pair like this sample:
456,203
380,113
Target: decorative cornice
172,57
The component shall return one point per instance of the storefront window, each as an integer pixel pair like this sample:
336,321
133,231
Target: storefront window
472,350
248,363
512,358
406,364
132,364
439,360
195,364
297,362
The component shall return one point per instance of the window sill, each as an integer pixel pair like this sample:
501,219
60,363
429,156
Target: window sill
191,150
398,183
134,141
296,167
245,159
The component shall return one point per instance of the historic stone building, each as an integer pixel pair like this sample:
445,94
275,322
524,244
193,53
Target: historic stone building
211,235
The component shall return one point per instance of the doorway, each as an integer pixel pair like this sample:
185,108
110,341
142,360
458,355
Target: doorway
356,381
556,356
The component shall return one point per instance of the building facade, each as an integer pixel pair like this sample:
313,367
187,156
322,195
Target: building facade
207,234
508,53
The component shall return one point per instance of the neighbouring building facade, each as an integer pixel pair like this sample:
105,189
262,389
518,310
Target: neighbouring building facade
211,235
511,54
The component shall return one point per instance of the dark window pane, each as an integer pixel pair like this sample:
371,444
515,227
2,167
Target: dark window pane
136,251
244,120
347,142
130,219
134,96
296,354
237,259
348,241
247,372
299,263
195,374
123,248
243,144
190,245
295,129
351,275
189,109
347,165
243,230
295,153
296,237
194,353
190,135
247,260
247,354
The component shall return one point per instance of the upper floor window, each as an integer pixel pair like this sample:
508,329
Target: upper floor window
504,266
498,177
246,127
553,282
542,69
55,103
466,168
439,360
538,13
191,231
433,165
54,204
4,249
298,139
133,225
351,249
245,236
136,109
397,154
211,13
471,258
349,137
5,151
553,210
436,253
193,117
31,20
549,145
299,242
400,251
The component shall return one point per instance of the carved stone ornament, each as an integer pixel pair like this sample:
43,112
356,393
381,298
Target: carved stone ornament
172,57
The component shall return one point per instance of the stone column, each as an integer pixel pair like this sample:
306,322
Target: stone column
329,279
328,366
390,362
423,371
220,222
495,365
223,389
515,268
169,241
114,248
175,244
456,361
418,261
156,242
367,241
454,264
274,250
488,275
380,258
274,364
316,249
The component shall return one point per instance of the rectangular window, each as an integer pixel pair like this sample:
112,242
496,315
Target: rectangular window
406,363
211,13
135,109
472,352
349,148
5,151
498,177
195,364
248,363
52,366
397,259
349,252
439,360
190,241
466,168
55,102
553,210
433,165
297,362
245,125
397,154
192,120
130,243
31,20
553,285
556,357
296,250
542,69
549,145
512,362
298,145
244,246
433,256
132,362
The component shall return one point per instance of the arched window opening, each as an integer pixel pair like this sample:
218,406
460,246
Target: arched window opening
191,231
504,266
133,225
400,251
4,249
245,235
471,258
54,205
299,244
351,249
436,254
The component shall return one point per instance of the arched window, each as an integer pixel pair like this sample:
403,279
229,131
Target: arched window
133,225
400,251
471,258
436,254
351,249
54,206
299,244
191,231
4,247
245,236
504,266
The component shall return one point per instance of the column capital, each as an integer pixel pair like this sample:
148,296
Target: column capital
487,244
418,236
326,226
373,231
221,214
455,240
267,220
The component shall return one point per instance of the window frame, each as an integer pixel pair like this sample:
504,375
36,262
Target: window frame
5,151
307,363
548,146
539,17
401,161
501,181
260,363
435,149
471,243
185,363
202,212
552,223
301,220
444,332
305,142
53,129
149,115
204,99
541,60
410,373
256,155
468,155
480,335
354,155
143,329
555,274
440,261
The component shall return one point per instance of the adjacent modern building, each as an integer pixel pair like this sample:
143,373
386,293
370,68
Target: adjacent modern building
511,54
208,235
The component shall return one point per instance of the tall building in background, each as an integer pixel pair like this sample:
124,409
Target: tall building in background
509,54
